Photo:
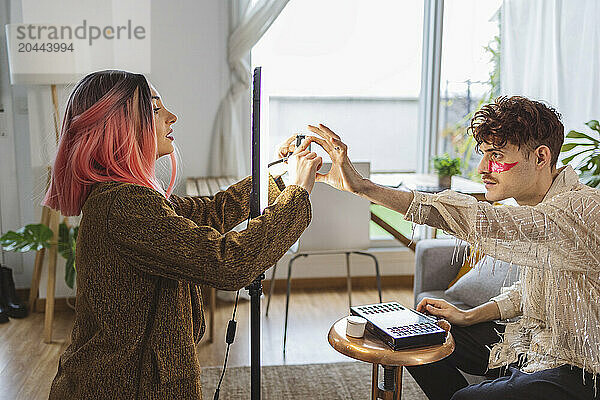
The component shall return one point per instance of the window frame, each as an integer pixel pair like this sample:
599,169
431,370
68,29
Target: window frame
429,96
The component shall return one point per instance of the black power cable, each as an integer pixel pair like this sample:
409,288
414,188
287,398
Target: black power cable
229,336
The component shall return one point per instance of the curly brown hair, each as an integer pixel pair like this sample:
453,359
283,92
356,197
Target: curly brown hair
521,122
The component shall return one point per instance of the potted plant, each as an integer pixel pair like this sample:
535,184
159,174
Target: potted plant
33,237
587,154
446,166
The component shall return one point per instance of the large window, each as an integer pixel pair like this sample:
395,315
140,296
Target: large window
354,65
469,73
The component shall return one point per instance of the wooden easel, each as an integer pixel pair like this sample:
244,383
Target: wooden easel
50,218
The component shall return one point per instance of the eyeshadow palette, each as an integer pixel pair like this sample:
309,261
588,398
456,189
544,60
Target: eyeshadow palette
400,327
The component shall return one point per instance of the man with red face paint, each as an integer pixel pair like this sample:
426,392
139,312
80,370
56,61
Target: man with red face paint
552,349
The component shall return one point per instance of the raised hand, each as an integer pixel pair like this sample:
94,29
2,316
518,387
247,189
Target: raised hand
285,147
281,151
343,175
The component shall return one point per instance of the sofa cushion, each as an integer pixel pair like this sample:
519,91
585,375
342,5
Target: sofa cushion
483,282
467,265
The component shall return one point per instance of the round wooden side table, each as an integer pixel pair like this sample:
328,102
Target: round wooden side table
372,350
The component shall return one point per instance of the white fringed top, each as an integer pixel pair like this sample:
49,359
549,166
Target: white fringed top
556,244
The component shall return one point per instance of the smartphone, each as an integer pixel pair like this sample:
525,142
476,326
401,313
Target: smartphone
300,139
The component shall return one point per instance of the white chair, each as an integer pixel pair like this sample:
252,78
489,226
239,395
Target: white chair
339,225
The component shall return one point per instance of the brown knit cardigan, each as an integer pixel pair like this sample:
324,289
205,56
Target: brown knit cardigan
139,260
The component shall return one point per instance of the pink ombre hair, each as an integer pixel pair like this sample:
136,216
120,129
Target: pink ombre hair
108,135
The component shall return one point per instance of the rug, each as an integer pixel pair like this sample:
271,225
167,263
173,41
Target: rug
344,381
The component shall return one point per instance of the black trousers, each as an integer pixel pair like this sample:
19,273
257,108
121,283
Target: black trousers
443,380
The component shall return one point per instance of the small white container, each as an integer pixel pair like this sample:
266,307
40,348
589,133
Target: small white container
356,326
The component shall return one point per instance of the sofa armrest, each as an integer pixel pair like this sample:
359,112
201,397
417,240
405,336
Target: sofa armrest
434,265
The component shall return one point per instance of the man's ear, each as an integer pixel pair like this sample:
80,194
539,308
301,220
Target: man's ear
543,156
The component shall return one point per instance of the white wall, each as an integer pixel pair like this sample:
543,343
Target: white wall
15,165
189,69
10,212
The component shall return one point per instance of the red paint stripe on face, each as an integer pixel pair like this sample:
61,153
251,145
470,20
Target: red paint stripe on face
494,166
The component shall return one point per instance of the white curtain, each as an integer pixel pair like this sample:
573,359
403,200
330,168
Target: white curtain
228,157
551,51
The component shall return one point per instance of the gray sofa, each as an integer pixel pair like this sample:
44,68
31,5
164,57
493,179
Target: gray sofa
439,260
435,269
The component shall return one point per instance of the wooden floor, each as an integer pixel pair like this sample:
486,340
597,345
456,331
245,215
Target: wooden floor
27,365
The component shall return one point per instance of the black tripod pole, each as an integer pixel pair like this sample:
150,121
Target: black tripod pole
255,288
255,291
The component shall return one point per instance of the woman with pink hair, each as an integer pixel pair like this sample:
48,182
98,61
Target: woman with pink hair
142,251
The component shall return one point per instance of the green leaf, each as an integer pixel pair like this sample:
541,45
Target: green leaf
63,239
445,165
567,160
66,246
593,124
28,247
586,165
596,170
580,135
589,164
571,146
27,238
8,238
39,231
16,246
67,240
592,181
70,272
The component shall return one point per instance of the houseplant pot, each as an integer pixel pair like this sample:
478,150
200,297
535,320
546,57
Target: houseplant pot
446,167
444,181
